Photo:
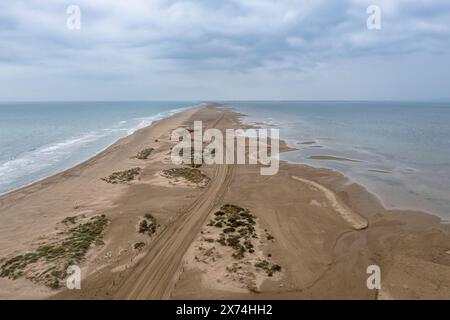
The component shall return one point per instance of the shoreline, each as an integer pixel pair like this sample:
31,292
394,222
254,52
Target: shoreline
316,238
320,159
99,152
369,189
79,189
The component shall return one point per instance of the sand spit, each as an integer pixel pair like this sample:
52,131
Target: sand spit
332,158
354,219
324,231
379,171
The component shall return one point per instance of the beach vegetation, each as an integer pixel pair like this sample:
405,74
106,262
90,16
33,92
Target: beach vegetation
148,225
69,220
268,267
139,246
237,229
189,174
269,236
228,230
144,154
58,255
123,176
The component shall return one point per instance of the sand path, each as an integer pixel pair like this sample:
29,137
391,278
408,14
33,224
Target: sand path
154,277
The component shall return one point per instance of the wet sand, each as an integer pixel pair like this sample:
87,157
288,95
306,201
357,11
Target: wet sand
379,171
326,230
333,158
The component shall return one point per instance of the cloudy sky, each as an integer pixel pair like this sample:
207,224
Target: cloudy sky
230,49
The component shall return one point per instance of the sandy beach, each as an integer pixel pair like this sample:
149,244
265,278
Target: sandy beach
309,233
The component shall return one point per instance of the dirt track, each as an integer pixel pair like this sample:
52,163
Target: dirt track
155,275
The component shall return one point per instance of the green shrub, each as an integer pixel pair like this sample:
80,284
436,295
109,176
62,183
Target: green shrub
269,268
239,252
230,217
222,241
228,230
123,176
70,220
144,154
191,175
58,255
148,225
139,246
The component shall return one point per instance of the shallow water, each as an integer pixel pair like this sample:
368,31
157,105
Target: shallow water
403,148
38,139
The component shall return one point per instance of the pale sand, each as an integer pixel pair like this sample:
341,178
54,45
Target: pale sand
317,221
355,220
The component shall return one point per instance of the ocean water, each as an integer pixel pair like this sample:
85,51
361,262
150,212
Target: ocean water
402,148
38,139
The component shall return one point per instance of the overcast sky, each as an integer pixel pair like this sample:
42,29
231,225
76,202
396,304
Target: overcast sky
219,50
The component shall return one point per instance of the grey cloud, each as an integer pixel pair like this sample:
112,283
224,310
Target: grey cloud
175,41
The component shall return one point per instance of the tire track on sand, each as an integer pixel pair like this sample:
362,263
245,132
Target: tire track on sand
155,275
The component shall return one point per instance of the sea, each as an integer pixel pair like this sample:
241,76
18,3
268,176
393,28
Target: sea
400,149
39,139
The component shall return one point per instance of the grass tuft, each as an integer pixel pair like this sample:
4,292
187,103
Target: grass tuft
144,154
139,246
148,224
191,175
268,267
123,176
58,255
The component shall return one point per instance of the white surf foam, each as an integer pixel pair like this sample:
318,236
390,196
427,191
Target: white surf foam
29,166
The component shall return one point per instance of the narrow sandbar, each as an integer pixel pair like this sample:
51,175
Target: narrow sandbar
332,158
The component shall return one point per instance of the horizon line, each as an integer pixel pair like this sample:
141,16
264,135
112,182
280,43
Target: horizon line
444,100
